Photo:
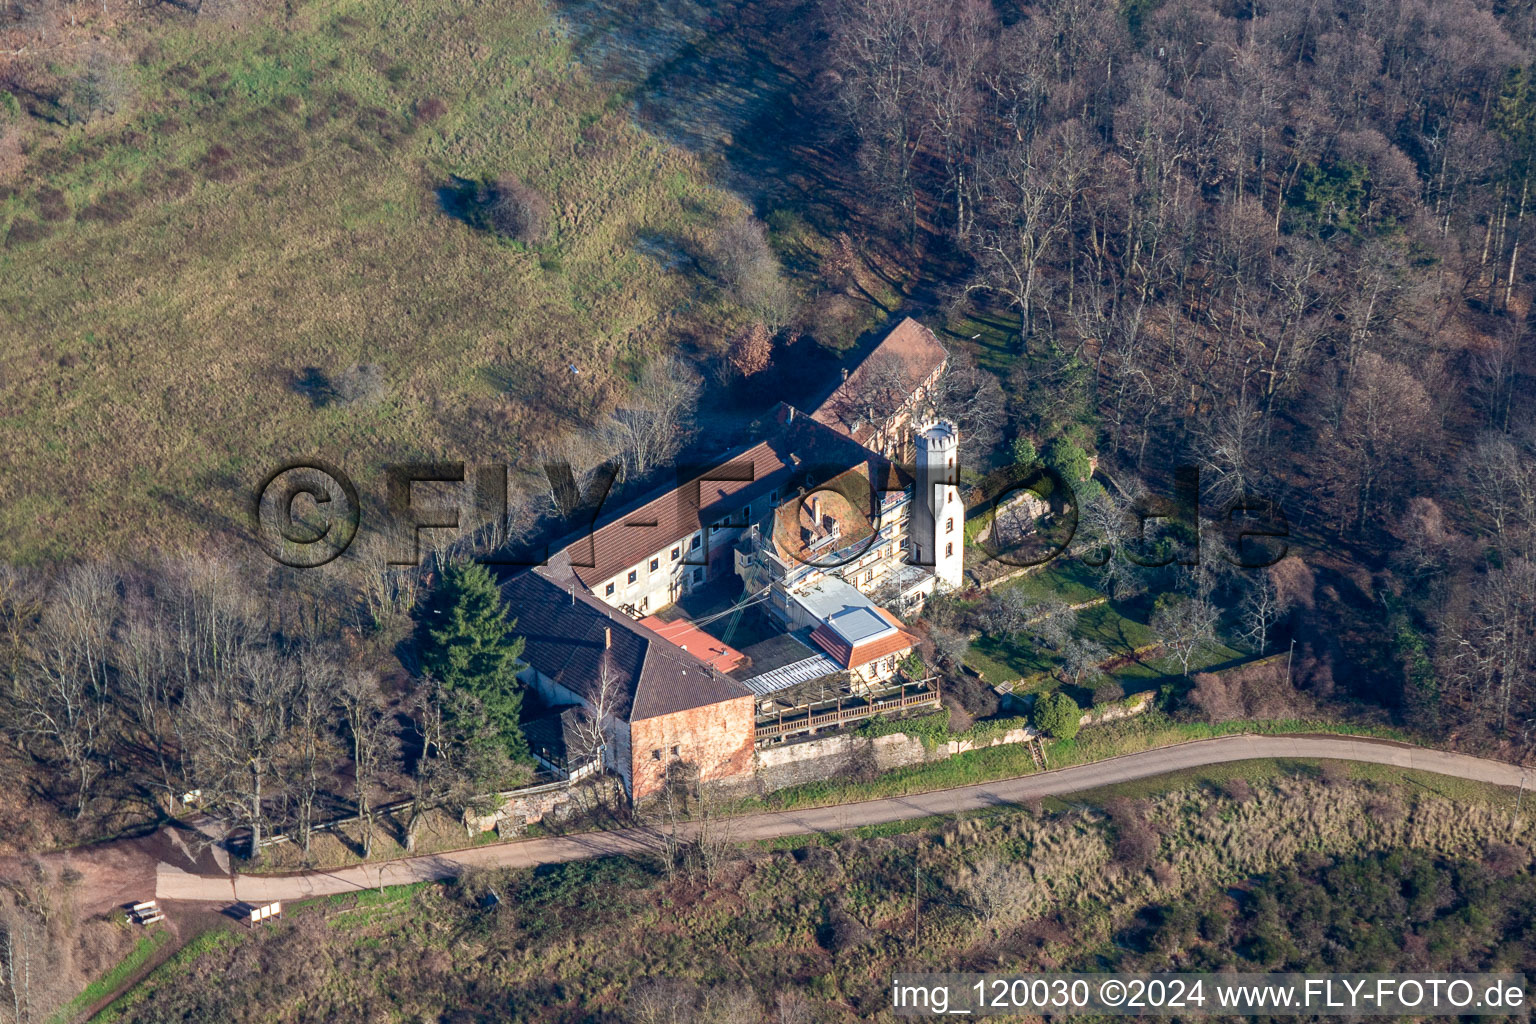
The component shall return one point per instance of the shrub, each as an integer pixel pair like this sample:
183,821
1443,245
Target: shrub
517,210
1057,716
431,108
360,382
751,350
834,320
24,231
52,204
1069,459
1238,790
1135,839
1107,692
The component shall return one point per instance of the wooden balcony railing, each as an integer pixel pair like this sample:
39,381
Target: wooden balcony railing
843,715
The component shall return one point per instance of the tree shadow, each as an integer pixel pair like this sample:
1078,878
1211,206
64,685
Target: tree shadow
313,383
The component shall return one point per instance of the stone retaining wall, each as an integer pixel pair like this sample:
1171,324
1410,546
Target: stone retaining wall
519,810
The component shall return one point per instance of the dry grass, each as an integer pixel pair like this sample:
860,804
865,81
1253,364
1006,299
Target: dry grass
828,917
269,212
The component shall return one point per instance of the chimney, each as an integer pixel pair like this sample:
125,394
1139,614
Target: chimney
572,590
791,414
607,637
845,373
816,509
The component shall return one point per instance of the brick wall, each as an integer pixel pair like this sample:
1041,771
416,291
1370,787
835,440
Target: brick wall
716,738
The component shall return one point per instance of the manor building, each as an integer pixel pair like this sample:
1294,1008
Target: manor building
814,525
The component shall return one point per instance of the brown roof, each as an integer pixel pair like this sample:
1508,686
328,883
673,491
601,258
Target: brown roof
863,654
796,448
844,501
910,347
567,633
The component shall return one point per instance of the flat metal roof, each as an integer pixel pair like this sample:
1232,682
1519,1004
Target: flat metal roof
847,612
796,672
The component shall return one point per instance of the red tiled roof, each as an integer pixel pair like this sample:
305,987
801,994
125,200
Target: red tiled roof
695,641
919,355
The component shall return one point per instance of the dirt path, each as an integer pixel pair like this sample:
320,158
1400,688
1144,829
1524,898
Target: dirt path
175,883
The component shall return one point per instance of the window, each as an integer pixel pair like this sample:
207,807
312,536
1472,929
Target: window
773,497
677,553
677,751
655,564
608,590
698,575
694,546
949,525
633,575
656,755
949,549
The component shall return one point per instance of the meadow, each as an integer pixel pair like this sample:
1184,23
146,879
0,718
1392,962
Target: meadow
192,287
820,922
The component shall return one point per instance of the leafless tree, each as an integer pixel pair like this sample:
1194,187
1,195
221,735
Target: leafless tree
662,1001
1501,474
368,721
997,890
1261,608
455,765
240,722
714,835
973,399
1183,626
594,720
729,1004
657,420
1105,529
745,263
1384,421
1489,652
875,392
147,680
790,1007
882,50
1023,218
518,210
60,692
1082,658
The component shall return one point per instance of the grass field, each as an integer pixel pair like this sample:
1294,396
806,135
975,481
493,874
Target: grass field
266,214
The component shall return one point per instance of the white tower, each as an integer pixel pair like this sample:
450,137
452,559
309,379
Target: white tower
938,517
